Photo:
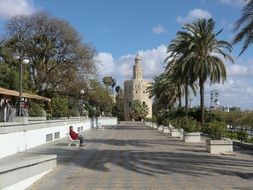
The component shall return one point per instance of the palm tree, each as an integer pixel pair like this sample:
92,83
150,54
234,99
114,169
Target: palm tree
245,23
173,68
118,89
163,90
199,55
109,82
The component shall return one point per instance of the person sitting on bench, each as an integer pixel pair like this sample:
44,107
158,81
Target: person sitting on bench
75,135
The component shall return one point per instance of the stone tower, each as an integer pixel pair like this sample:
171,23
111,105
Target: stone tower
135,89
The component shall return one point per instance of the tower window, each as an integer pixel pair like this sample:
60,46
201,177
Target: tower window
130,92
144,103
136,91
129,104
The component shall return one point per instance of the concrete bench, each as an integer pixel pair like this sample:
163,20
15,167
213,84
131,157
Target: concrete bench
21,170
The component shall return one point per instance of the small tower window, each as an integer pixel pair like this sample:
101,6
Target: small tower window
136,91
129,104
144,103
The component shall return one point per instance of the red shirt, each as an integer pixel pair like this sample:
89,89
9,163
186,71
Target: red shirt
73,134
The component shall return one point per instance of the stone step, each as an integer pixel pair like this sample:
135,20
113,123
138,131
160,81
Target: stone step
132,123
21,170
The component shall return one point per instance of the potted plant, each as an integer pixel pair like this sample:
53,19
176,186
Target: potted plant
191,129
217,144
176,130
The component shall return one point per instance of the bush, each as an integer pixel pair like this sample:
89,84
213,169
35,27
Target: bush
167,115
250,140
36,110
231,135
60,107
217,130
242,135
175,122
153,119
138,110
189,124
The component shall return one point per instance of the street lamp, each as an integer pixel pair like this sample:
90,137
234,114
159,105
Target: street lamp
82,93
23,60
214,98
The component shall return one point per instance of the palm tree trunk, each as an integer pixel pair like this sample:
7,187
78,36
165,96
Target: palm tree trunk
186,98
179,96
202,106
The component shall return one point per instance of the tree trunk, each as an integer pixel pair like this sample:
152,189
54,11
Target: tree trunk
179,96
202,106
186,98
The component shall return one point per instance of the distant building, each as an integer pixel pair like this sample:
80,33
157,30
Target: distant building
135,89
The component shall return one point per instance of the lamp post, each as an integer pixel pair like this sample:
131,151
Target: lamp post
214,98
214,101
23,60
82,93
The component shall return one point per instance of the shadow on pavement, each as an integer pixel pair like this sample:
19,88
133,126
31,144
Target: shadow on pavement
152,163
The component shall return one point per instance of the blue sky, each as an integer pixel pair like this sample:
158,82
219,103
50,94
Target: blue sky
118,29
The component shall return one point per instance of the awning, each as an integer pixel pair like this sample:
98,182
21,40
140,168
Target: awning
15,93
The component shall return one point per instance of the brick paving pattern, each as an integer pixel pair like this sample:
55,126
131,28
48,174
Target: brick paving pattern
141,158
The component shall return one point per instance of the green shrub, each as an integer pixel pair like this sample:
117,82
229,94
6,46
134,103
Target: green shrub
242,135
189,124
59,107
36,110
153,119
217,130
231,135
250,140
175,122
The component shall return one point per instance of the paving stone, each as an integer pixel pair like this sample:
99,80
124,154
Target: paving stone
137,157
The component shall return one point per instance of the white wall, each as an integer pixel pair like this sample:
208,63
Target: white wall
13,142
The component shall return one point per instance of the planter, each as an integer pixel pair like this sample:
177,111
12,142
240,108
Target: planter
219,146
192,137
166,130
160,128
174,132
37,118
23,120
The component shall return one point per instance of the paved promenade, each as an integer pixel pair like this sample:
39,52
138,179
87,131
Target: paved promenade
141,158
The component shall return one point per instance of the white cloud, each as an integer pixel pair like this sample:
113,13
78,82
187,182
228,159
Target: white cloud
9,8
159,29
234,92
193,15
237,70
240,69
121,68
105,64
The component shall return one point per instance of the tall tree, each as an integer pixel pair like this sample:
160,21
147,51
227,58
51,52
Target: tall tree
164,91
173,69
202,55
57,52
109,82
118,89
245,25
